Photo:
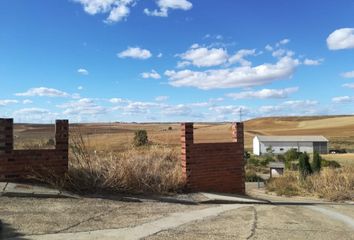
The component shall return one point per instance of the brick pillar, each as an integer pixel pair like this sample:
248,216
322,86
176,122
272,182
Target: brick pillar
237,132
62,135
62,143
238,136
187,140
6,135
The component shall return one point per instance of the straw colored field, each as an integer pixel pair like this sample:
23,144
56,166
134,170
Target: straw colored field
117,136
343,159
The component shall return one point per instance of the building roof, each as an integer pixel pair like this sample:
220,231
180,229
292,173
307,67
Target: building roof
276,165
291,138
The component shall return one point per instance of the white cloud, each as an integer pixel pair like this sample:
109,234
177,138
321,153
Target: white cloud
208,57
239,57
342,38
283,42
34,115
159,55
343,99
313,62
31,111
84,106
348,74
27,101
264,93
117,100
298,104
204,57
229,109
244,76
137,107
80,87
269,109
135,52
82,71
348,85
279,53
153,74
43,92
178,110
294,107
165,5
117,10
6,102
269,48
161,98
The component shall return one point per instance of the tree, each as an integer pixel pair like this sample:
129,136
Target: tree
304,165
140,138
291,155
316,163
270,150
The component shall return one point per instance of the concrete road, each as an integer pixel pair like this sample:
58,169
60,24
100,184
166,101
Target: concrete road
29,218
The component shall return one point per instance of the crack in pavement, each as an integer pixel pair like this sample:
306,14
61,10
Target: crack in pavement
138,232
254,224
86,220
3,190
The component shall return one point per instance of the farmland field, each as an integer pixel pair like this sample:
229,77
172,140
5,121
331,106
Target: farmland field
116,136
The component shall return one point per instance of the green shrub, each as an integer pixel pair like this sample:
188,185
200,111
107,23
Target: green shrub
291,155
253,161
140,138
330,164
251,176
270,150
265,160
304,165
281,158
316,163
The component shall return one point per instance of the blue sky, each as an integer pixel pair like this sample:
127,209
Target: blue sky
175,60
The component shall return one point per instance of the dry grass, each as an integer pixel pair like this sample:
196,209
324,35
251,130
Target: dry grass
331,184
113,136
154,169
343,159
287,185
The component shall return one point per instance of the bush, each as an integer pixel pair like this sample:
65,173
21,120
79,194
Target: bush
286,185
291,155
330,164
266,160
253,161
170,128
330,183
304,165
316,163
251,176
333,184
140,138
270,150
281,158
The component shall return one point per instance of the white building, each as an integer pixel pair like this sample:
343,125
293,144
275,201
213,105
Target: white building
281,144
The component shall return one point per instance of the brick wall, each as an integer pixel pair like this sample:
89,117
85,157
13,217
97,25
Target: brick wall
18,164
213,167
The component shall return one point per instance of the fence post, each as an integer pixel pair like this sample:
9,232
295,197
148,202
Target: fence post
6,135
237,132
61,134
187,140
238,136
